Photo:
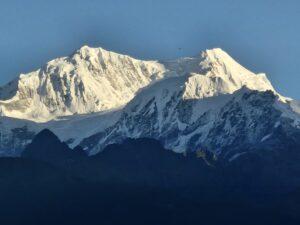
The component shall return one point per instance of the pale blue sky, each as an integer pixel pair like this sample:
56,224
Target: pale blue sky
262,35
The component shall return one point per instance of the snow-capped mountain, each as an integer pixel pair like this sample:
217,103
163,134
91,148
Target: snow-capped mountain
221,106
95,98
90,80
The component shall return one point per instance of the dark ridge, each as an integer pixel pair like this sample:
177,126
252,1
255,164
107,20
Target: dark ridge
140,182
45,135
47,147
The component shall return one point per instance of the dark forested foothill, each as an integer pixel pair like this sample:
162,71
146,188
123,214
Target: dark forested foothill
140,182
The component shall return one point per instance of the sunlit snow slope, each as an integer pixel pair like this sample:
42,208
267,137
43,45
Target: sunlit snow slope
90,80
95,97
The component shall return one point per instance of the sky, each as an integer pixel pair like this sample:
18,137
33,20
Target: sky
262,35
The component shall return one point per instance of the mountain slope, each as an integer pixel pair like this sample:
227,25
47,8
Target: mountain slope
94,80
47,147
226,107
95,98
90,80
239,120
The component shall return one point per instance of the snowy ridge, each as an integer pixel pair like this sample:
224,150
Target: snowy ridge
95,80
163,112
95,97
184,111
91,80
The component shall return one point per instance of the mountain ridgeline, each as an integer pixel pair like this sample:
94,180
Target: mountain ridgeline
102,137
94,98
146,162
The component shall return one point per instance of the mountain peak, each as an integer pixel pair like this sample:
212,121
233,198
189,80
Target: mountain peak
214,52
90,80
47,147
45,134
220,65
85,47
87,50
87,53
212,58
95,80
141,98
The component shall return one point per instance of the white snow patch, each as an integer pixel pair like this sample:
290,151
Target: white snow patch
236,156
265,137
277,124
295,105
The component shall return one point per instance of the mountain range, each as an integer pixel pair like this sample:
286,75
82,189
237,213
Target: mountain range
95,97
100,137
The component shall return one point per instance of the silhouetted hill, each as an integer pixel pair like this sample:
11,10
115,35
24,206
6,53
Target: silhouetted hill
140,182
47,147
